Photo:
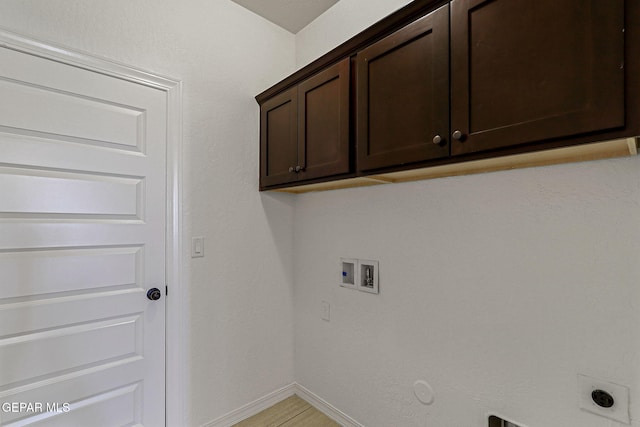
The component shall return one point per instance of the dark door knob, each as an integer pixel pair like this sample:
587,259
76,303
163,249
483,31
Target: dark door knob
154,294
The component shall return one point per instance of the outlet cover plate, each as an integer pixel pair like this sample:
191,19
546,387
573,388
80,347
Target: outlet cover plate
620,409
325,311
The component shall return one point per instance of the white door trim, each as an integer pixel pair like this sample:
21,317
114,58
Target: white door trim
176,323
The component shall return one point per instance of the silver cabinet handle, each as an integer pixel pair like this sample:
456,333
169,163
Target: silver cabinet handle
437,139
457,135
298,169
291,169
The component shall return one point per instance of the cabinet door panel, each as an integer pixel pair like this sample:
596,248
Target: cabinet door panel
403,95
323,123
278,144
524,70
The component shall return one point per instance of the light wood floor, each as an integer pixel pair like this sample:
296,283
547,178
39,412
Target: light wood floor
291,412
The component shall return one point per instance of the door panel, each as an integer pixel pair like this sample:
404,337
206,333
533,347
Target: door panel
113,408
70,115
278,139
82,173
523,71
69,194
40,272
403,95
76,387
109,339
323,122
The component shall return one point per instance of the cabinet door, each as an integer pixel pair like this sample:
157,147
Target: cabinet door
528,70
403,95
278,139
323,123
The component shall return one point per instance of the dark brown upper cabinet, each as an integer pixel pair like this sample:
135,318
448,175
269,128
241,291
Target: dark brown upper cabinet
323,123
305,130
279,139
441,82
525,71
403,95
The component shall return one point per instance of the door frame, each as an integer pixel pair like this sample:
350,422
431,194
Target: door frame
176,344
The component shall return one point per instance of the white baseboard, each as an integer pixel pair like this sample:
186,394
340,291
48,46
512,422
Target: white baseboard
325,407
274,397
253,408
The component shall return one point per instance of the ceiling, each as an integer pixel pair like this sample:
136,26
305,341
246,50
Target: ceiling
292,15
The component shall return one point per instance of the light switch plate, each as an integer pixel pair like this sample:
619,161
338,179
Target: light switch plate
197,247
620,409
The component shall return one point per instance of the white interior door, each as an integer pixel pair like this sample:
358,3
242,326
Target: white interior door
82,240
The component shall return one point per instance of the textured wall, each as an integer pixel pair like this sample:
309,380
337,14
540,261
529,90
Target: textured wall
497,289
241,292
341,22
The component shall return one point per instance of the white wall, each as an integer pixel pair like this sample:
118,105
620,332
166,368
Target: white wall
241,292
342,21
497,289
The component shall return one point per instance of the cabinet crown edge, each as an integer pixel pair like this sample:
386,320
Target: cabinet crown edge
375,32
